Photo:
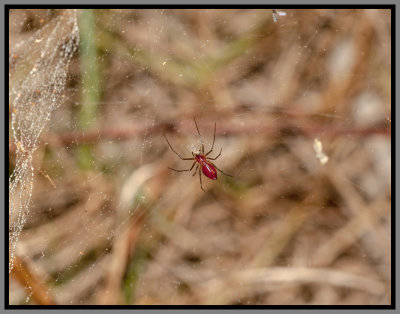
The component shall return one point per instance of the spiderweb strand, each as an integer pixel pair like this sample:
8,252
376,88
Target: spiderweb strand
37,75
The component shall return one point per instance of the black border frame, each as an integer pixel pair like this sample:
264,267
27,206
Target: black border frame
392,7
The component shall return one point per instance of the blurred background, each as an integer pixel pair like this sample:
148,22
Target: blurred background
302,105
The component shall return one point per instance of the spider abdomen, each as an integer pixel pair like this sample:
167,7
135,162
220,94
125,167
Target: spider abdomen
209,171
207,167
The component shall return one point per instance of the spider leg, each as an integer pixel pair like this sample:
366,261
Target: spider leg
221,171
201,140
197,126
175,151
183,170
217,156
195,170
212,147
201,184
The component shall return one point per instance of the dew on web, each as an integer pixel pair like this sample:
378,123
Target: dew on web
38,72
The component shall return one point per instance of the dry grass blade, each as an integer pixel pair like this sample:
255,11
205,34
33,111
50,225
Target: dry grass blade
128,228
236,281
354,230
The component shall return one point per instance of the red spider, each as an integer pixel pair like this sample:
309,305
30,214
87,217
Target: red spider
206,166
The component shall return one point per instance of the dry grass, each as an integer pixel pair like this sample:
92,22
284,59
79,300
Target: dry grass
287,229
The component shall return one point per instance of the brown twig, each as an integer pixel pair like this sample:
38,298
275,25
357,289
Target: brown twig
121,134
23,273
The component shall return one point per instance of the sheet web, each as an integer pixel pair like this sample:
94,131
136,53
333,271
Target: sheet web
37,77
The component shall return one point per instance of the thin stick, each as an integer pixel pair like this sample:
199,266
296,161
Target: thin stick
123,134
47,176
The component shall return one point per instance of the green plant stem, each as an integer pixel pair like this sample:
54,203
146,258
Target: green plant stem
90,92
89,70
